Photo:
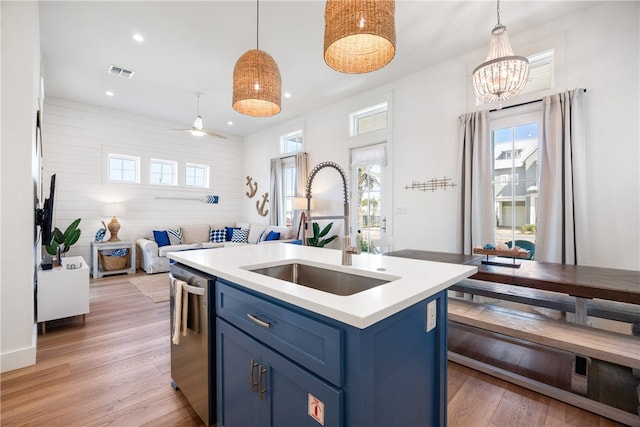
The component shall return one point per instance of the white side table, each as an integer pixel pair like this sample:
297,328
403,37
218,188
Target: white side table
98,271
63,292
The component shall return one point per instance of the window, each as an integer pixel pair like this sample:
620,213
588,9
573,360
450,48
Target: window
515,177
123,168
541,73
196,175
369,120
162,172
291,142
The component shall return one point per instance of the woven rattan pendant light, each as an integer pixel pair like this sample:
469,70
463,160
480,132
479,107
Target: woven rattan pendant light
503,75
256,81
359,35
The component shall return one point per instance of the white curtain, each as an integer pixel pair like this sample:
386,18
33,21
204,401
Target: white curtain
302,171
276,213
476,215
562,231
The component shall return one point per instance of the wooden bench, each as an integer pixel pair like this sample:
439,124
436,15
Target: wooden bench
612,310
583,341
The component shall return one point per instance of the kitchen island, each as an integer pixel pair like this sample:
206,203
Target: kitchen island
288,354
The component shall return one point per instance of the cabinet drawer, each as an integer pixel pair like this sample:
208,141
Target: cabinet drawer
307,341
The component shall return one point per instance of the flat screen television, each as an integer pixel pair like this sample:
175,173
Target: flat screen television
44,215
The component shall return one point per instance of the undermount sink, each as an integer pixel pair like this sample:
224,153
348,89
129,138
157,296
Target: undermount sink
323,279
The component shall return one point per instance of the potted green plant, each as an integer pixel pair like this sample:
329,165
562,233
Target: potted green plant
318,236
66,239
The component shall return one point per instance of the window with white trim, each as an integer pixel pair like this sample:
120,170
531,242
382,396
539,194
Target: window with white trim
123,168
292,142
515,175
196,175
162,172
368,120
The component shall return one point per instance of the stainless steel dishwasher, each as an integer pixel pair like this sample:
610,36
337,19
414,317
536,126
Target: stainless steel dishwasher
193,358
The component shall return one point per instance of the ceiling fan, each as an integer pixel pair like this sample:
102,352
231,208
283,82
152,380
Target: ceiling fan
197,128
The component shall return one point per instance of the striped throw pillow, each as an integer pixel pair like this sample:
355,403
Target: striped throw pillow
240,236
175,235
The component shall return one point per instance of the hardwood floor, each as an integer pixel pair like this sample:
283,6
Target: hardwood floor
116,371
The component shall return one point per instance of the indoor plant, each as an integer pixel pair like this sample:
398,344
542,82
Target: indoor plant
317,239
66,239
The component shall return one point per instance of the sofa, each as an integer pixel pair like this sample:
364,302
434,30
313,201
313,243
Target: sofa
156,243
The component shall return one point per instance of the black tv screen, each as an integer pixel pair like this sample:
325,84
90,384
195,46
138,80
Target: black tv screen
44,216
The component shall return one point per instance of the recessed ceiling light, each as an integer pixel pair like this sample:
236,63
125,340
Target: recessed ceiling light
138,37
287,95
109,93
230,123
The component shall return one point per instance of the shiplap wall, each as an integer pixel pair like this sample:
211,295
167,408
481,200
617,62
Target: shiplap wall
76,141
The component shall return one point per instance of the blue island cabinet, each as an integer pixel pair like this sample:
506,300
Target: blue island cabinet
281,365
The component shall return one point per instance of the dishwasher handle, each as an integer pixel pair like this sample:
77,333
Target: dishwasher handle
196,290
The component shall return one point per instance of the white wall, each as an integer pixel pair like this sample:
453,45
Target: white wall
77,139
20,90
426,106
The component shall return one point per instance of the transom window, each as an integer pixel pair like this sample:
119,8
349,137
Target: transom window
369,120
196,175
291,142
124,168
162,172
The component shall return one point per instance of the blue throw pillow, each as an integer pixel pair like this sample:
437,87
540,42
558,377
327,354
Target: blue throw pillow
295,242
217,236
229,232
272,236
161,238
120,252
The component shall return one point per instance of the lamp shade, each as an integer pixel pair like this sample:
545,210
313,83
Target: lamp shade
300,203
503,75
256,84
113,209
359,35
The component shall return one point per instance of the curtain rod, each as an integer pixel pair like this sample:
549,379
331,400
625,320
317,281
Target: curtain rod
521,104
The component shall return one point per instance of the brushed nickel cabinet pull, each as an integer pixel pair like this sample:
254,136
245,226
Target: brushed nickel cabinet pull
261,390
257,321
252,366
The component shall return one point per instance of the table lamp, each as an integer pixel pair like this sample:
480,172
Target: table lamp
114,209
300,204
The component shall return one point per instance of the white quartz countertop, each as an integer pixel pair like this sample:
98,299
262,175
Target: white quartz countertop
412,280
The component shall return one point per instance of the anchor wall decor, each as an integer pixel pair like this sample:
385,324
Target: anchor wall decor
260,206
253,187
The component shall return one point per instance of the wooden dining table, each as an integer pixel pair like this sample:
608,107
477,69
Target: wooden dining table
581,281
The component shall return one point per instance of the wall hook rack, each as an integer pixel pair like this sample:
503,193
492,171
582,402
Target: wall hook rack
431,185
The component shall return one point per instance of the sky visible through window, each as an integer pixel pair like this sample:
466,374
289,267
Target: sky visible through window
520,132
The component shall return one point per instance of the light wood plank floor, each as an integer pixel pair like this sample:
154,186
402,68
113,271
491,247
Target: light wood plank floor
116,371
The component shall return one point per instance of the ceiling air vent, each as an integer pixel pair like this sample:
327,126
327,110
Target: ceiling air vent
119,71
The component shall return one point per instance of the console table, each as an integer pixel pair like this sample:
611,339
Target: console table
63,291
98,271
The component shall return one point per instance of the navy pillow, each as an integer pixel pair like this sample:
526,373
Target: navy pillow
161,238
272,236
295,242
229,232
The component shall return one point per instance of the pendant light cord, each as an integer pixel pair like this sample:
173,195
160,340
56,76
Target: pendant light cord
257,22
498,11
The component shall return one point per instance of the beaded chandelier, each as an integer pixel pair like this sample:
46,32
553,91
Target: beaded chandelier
503,75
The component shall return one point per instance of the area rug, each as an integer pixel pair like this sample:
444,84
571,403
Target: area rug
154,286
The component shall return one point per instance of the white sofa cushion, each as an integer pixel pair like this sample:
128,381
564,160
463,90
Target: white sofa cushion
286,233
163,251
195,233
256,233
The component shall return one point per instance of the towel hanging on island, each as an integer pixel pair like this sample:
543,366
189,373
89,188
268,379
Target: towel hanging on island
181,311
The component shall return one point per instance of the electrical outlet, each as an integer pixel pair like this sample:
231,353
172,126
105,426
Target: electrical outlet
432,313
